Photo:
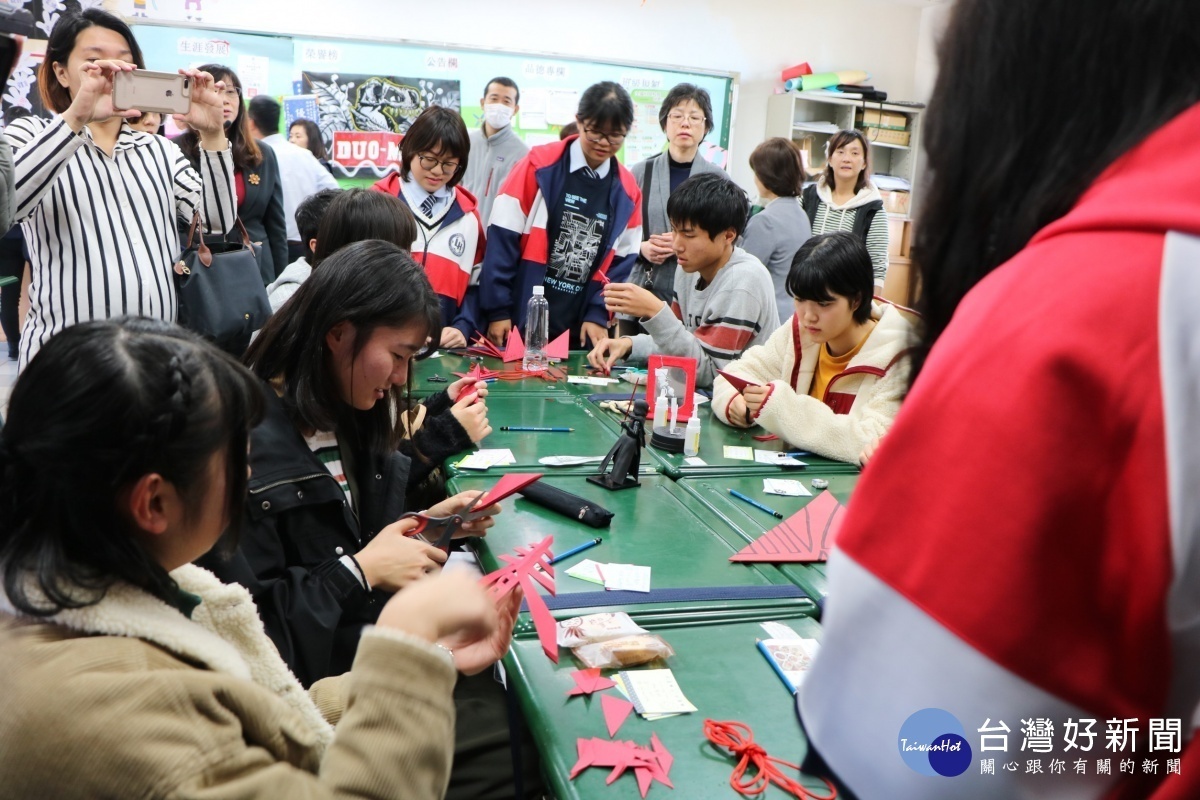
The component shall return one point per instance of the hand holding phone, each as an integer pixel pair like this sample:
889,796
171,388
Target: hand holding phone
144,90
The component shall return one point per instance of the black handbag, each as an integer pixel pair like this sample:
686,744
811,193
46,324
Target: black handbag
568,504
221,293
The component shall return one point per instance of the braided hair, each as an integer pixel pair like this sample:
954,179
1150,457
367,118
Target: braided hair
103,404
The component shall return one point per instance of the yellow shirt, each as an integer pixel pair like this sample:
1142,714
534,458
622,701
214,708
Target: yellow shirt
829,367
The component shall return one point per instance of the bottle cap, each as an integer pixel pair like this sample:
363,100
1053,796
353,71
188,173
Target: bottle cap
539,291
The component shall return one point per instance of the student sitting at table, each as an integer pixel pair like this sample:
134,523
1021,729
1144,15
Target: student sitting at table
324,546
129,672
723,298
831,380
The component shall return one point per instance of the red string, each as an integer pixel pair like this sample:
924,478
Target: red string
737,737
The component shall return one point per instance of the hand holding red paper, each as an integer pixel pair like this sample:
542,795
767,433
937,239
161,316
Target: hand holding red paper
470,384
476,522
473,653
450,605
473,416
755,396
735,381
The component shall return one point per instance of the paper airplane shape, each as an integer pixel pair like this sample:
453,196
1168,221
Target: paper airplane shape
616,710
588,681
531,563
559,347
807,535
648,763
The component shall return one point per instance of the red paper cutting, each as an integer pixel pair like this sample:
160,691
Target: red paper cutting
807,535
514,350
616,711
648,764
507,486
737,383
532,563
588,681
483,346
559,347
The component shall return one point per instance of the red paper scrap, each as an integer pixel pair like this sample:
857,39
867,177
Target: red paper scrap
807,535
648,764
514,350
507,486
559,347
616,710
588,681
532,563
737,383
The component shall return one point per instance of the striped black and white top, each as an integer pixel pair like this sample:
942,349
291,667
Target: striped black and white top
102,230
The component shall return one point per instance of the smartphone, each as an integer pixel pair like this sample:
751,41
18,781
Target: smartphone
164,92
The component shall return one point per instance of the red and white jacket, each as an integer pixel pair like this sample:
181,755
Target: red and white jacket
859,404
451,250
1026,542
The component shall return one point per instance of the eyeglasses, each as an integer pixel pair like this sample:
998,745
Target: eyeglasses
231,93
429,163
596,137
696,120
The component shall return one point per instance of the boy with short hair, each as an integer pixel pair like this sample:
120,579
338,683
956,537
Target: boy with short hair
309,214
723,299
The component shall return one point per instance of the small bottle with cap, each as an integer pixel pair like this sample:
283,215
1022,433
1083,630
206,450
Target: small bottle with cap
691,437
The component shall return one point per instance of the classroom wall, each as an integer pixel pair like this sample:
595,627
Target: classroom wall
929,33
755,38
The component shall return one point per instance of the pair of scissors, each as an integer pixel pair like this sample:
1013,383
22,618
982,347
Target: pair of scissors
448,525
437,379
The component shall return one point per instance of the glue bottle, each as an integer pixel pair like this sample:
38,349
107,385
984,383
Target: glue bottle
660,411
691,437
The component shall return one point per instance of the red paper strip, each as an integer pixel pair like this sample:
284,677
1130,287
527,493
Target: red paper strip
807,535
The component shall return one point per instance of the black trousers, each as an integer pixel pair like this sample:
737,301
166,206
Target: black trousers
483,754
12,264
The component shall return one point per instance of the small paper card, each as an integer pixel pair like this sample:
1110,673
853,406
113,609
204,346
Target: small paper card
482,459
625,577
655,691
695,461
777,459
787,488
792,656
739,453
591,380
586,571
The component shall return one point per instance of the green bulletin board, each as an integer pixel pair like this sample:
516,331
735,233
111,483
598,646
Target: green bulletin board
382,86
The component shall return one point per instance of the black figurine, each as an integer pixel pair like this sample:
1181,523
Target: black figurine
626,454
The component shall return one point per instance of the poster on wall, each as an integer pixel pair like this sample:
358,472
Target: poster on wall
363,117
37,18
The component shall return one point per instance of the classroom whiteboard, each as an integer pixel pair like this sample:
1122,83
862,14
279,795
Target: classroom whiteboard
379,87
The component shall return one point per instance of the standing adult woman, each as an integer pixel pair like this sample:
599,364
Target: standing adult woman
844,199
98,202
686,117
305,133
568,218
256,178
136,674
775,234
1024,544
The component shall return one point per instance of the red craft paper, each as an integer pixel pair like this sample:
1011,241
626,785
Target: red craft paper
588,681
483,346
507,486
648,764
514,350
616,711
532,563
807,535
559,347
737,383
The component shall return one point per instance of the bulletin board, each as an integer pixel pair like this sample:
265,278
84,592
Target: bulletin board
365,94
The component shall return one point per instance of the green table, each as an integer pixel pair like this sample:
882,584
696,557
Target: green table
745,523
719,670
659,525
591,436
715,435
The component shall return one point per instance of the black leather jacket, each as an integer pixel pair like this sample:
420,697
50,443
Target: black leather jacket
297,527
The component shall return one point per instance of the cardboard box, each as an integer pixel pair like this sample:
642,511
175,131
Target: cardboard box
886,136
882,119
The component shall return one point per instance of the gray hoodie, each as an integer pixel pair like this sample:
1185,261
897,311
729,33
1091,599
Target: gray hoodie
491,159
288,282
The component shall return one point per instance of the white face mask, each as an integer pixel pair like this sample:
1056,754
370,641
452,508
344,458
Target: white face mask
497,115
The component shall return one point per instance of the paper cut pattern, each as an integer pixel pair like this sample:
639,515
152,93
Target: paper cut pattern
648,763
807,535
616,711
523,569
737,383
482,346
588,681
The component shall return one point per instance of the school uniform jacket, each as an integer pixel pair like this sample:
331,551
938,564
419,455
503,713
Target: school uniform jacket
518,245
859,404
451,250
1026,542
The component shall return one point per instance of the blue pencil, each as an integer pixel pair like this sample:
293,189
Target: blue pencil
756,504
576,550
535,429
762,648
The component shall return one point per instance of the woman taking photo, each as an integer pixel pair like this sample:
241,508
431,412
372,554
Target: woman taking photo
844,199
124,458
256,178
775,234
99,202
686,117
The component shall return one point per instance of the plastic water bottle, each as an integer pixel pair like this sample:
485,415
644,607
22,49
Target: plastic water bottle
691,437
537,332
